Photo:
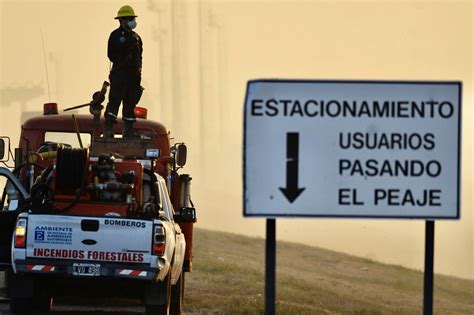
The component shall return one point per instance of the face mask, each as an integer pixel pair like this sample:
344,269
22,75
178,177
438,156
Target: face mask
132,24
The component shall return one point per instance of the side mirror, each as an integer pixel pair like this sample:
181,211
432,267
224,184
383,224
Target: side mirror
181,154
4,147
185,215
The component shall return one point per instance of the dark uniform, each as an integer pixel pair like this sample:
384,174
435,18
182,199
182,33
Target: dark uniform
125,52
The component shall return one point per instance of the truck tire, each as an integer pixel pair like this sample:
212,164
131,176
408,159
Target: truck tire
20,290
21,306
43,303
162,309
30,306
177,296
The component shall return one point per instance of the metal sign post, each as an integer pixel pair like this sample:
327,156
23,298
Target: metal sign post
429,262
270,267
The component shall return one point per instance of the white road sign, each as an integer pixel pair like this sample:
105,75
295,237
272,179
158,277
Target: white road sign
352,149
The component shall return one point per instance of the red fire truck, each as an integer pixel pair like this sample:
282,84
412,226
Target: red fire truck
84,215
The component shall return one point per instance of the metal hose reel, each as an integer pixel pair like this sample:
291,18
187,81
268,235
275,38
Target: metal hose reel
71,170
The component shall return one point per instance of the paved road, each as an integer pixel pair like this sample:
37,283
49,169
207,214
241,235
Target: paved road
83,306
74,309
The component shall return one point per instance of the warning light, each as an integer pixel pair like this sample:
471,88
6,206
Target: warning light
50,109
152,153
140,112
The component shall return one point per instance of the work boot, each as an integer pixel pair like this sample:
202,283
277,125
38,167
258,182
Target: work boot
109,128
129,131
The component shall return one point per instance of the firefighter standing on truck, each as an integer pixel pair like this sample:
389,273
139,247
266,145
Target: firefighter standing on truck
125,52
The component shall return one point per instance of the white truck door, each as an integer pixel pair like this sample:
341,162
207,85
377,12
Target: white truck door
13,198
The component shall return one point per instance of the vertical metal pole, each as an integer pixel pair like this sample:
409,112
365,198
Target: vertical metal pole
428,276
270,264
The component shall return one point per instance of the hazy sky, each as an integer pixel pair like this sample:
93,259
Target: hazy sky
198,56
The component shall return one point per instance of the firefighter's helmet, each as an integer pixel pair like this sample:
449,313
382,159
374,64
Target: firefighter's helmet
125,11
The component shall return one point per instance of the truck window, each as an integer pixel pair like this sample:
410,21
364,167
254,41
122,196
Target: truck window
10,196
165,199
148,190
68,138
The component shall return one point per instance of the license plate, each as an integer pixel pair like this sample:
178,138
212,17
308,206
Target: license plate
92,270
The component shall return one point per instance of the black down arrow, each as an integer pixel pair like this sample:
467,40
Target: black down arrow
291,191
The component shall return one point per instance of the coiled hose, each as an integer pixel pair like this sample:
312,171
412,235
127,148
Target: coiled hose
71,170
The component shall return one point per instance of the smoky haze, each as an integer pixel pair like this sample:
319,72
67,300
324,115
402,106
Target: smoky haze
198,56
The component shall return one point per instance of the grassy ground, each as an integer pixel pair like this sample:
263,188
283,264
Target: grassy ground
228,278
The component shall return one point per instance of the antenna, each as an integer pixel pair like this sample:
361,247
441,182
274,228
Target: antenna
45,64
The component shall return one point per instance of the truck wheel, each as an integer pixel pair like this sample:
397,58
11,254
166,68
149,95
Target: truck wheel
20,290
21,306
163,309
28,306
177,296
43,303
